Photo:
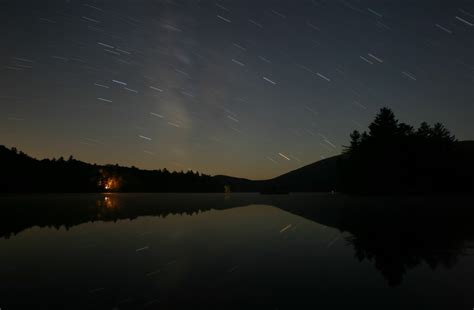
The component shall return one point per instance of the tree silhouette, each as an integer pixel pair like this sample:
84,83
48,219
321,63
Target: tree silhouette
441,134
355,141
394,157
404,130
21,173
424,131
384,126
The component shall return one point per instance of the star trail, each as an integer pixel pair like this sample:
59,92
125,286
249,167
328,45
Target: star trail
245,88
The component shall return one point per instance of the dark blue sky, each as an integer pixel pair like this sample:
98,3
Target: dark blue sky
245,88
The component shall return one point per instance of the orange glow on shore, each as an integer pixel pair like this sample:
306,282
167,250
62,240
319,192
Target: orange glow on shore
111,184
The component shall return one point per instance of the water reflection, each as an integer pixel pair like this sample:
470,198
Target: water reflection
396,234
108,202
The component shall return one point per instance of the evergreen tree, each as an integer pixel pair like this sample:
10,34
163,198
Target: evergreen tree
440,133
385,125
424,131
355,140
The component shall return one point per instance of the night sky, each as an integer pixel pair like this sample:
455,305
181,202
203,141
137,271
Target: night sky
245,88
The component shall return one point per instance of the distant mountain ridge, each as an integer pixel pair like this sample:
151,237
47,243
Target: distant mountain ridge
22,173
320,176
325,175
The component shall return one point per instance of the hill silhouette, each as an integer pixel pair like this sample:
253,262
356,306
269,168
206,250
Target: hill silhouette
392,157
321,176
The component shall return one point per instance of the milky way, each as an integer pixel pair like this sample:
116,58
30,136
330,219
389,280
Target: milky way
245,88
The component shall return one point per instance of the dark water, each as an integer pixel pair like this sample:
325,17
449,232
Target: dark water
174,251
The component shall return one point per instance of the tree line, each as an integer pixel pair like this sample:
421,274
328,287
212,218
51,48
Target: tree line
22,173
393,156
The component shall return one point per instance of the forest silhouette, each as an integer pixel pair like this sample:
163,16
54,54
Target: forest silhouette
394,157
391,157
22,173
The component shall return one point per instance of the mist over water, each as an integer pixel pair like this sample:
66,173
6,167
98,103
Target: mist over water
125,251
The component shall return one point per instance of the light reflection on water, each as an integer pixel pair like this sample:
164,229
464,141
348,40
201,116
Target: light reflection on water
175,251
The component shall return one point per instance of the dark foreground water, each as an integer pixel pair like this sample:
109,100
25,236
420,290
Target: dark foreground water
200,251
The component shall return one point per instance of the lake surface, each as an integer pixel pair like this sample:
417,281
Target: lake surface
175,251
